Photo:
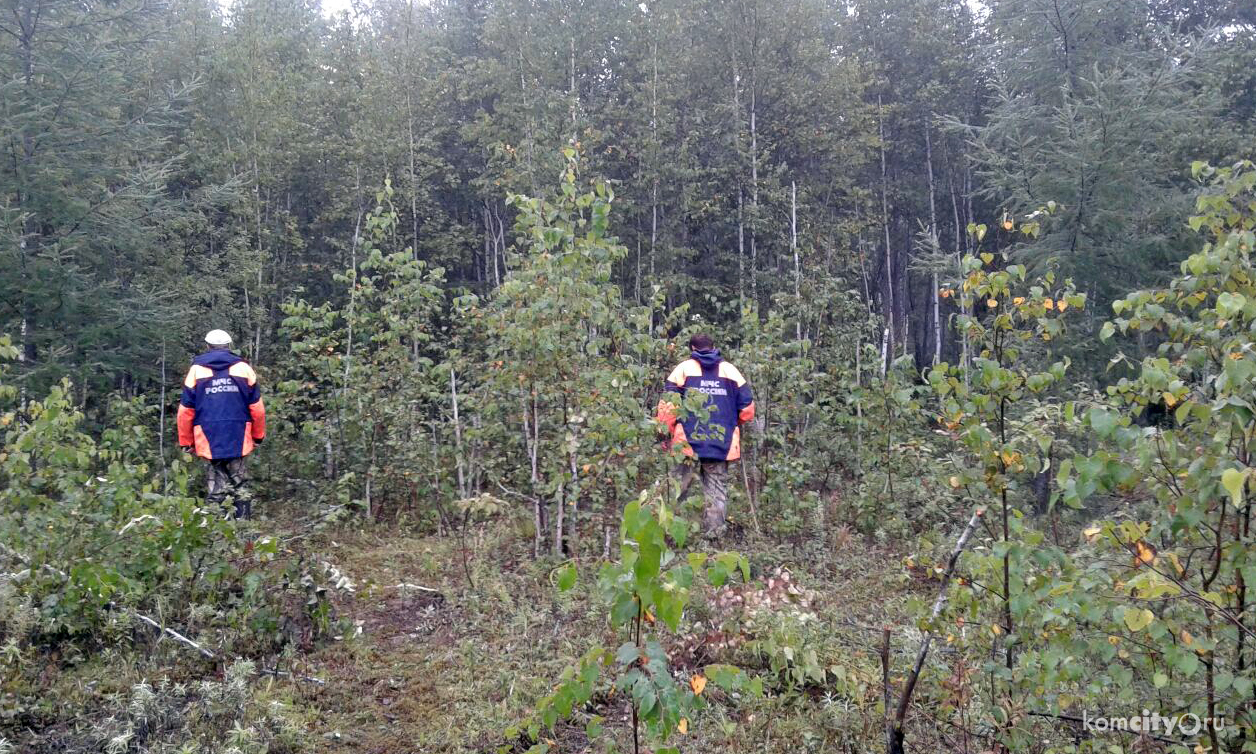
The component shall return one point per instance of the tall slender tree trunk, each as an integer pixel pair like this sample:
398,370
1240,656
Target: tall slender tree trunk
754,195
414,182
741,193
532,441
459,459
654,159
527,108
161,424
793,245
571,92
889,338
741,247
959,256
934,247
31,233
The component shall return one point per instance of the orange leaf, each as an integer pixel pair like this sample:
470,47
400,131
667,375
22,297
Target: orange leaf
1048,303
992,303
683,725
697,683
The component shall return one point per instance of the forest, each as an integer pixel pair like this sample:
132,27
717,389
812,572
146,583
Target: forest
986,265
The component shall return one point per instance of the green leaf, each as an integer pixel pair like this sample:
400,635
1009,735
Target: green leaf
627,653
1229,304
1136,619
1102,420
648,560
670,607
1234,480
566,576
624,608
593,729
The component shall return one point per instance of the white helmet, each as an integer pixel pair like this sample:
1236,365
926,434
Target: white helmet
218,338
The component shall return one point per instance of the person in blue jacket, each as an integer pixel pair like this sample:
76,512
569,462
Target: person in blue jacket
221,419
709,443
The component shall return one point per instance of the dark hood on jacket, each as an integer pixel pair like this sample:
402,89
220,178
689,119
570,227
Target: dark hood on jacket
709,359
219,358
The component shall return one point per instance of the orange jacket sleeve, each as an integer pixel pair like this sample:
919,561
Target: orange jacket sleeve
184,422
257,412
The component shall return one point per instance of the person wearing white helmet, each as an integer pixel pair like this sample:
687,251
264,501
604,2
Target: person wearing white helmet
221,419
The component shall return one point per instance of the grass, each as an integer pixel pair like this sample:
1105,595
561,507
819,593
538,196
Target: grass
450,674
451,670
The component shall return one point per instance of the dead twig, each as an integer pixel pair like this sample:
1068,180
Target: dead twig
894,728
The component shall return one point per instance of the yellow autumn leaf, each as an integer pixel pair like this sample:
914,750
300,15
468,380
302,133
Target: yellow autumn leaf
1061,305
1187,639
1048,303
1170,399
993,303
1145,552
1092,532
697,683
683,725
1018,300
954,482
1177,564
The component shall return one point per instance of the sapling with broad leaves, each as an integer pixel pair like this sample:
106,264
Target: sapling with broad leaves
647,591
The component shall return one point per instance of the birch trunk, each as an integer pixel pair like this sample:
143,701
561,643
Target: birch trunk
793,245
933,240
888,340
654,143
458,454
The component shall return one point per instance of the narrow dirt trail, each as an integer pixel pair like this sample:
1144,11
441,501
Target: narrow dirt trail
451,670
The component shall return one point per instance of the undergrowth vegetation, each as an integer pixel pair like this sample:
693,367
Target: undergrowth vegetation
487,521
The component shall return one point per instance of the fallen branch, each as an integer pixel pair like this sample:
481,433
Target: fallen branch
403,585
754,513
894,729
885,679
281,673
185,641
172,633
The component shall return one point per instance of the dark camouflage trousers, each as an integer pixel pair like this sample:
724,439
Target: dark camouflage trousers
226,481
714,475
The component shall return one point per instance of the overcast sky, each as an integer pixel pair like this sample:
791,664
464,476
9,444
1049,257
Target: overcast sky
332,7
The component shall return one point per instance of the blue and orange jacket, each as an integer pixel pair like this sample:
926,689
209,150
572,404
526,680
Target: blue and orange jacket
729,400
221,413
